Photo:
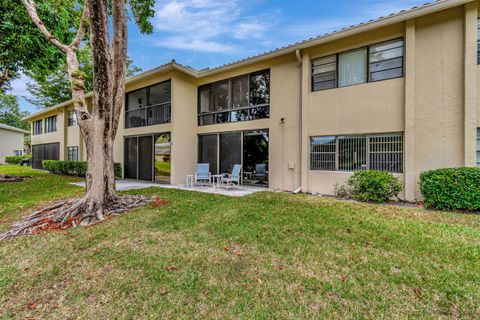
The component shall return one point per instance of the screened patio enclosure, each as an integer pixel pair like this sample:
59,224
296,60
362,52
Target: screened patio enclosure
147,157
248,148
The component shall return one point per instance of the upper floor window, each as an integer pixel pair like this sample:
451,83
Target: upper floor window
51,124
478,41
358,152
478,147
369,64
148,106
242,98
37,127
72,118
72,153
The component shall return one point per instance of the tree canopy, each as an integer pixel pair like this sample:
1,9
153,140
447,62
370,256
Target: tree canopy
10,113
23,47
51,87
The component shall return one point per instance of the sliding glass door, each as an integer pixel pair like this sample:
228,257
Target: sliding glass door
147,157
207,151
248,148
255,157
230,151
163,158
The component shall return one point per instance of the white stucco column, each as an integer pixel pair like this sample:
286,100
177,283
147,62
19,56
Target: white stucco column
470,83
409,135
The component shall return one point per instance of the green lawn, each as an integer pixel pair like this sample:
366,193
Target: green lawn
265,256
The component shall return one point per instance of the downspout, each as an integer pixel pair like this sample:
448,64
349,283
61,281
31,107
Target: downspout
298,189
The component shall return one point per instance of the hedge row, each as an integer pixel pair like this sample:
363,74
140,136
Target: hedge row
73,168
17,159
451,189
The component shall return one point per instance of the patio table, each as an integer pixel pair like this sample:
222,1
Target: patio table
189,181
216,180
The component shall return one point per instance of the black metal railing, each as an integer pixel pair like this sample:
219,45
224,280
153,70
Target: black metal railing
234,115
148,116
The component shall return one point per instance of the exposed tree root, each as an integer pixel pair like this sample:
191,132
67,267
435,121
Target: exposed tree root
71,213
7,178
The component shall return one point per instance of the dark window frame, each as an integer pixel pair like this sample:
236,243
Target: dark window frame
148,108
72,118
478,40
71,152
51,124
233,114
37,127
371,159
368,65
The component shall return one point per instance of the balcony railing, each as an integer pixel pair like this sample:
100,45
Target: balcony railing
234,115
148,116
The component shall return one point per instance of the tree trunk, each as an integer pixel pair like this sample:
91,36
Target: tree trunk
98,127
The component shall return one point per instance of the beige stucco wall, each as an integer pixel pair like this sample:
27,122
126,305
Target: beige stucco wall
437,91
9,142
367,108
52,137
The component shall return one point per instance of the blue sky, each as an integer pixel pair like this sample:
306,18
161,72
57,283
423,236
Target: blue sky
207,33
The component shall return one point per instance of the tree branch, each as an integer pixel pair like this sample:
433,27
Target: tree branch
82,27
32,12
119,62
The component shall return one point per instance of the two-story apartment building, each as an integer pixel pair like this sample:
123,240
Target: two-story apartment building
400,93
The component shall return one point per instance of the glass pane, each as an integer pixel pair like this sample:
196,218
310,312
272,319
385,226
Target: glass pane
136,118
205,120
159,93
325,60
207,151
222,117
240,92
230,151
205,98
352,68
384,65
327,76
136,99
386,45
145,158
352,153
259,113
130,166
221,96
323,153
385,55
324,85
162,158
387,74
255,157
260,88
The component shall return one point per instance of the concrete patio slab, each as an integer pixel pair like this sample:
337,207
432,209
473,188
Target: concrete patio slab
134,184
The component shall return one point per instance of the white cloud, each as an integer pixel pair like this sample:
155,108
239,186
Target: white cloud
205,25
250,30
195,45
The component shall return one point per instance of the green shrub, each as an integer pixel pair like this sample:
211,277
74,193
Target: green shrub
17,159
73,168
373,186
451,189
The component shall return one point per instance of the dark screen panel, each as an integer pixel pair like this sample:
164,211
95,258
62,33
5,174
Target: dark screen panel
207,151
130,158
230,151
145,158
